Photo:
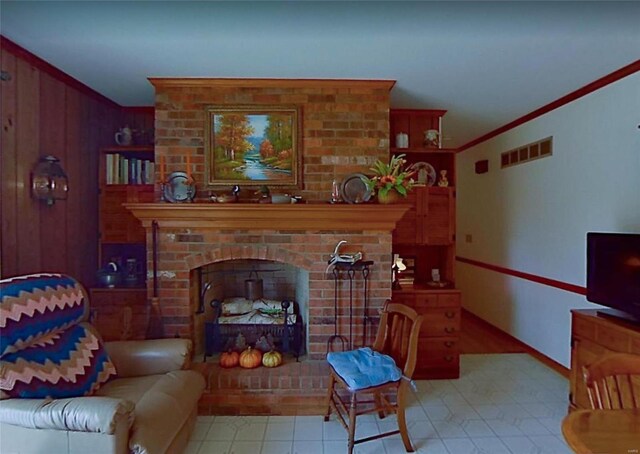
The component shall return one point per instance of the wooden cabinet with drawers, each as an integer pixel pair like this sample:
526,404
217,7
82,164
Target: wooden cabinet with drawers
438,346
591,337
425,239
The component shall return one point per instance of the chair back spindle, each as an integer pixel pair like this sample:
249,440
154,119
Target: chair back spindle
398,335
613,382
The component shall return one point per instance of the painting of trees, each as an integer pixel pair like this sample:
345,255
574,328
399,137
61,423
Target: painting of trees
232,131
253,144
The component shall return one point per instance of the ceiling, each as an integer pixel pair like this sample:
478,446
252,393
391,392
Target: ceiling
486,63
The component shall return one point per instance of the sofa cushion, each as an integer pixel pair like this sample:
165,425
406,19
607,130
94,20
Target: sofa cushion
66,363
36,305
162,406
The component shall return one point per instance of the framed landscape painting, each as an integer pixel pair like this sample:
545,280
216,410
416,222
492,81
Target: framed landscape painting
256,145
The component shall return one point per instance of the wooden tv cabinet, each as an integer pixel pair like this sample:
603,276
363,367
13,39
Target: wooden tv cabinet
591,337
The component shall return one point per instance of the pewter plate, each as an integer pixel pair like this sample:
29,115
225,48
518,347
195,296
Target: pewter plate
177,188
354,189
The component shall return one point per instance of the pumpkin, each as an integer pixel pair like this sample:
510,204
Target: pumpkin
272,359
229,359
250,358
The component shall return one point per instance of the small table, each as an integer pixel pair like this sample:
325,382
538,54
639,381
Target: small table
603,431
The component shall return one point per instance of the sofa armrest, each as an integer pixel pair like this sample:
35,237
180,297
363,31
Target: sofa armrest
81,414
149,357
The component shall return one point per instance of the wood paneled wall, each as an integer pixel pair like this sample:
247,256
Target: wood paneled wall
44,112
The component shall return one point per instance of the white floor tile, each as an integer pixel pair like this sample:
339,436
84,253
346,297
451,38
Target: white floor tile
251,432
308,430
426,446
449,429
490,445
550,444
279,432
503,428
460,445
222,431
370,447
192,447
477,428
531,426
520,445
277,447
246,447
333,430
335,446
308,447
215,447
503,403
200,431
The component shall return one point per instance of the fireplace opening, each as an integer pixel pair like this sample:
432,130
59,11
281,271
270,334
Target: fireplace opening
251,302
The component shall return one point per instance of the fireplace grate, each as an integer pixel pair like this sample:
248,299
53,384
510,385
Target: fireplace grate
287,337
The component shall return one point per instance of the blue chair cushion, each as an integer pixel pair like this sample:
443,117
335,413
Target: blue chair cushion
364,368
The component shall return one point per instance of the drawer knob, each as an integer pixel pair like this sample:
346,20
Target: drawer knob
448,358
448,344
449,330
449,314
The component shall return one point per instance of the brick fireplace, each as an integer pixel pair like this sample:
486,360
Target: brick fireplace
191,236
345,129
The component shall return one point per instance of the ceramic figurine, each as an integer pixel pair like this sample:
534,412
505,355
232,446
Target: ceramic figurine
443,182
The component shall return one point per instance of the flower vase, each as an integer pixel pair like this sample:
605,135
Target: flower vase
392,196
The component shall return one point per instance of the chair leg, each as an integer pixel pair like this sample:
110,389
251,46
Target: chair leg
332,384
402,420
352,422
379,405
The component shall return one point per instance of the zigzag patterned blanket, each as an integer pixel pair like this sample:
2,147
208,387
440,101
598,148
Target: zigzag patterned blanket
44,350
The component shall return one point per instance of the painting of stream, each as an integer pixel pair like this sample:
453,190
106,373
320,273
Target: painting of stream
253,147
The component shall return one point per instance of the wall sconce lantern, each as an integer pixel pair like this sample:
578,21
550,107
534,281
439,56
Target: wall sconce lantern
48,180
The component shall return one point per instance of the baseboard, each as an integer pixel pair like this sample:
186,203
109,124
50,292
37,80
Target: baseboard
527,348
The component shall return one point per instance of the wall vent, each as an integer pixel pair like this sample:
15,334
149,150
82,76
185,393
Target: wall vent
536,150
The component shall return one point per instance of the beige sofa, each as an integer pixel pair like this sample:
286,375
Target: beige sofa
150,408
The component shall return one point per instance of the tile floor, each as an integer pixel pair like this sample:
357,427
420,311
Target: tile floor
502,404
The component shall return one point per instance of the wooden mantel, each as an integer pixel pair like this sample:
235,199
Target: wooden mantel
254,216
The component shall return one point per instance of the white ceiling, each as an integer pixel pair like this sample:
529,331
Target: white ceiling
486,63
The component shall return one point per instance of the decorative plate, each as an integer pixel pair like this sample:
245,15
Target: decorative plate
178,189
425,173
354,189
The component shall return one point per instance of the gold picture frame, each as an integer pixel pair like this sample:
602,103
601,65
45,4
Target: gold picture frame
253,145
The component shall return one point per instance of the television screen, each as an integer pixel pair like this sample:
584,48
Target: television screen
613,271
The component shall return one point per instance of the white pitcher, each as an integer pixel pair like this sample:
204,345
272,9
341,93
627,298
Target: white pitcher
124,136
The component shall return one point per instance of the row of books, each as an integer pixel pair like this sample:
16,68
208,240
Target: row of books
122,170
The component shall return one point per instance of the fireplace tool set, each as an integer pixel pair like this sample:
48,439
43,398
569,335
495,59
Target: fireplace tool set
349,263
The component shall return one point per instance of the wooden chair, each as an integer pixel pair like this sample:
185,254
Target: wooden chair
613,382
397,337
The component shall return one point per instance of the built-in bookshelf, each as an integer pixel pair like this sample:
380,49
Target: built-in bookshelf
127,165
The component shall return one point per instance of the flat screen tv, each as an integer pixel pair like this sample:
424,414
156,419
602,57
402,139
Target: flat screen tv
613,272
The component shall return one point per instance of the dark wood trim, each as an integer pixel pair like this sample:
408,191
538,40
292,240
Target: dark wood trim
530,277
525,347
580,92
151,110
32,59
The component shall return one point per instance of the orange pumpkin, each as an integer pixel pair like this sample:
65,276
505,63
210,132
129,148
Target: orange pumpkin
272,359
229,359
250,358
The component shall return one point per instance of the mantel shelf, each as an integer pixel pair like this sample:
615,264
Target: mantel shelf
254,216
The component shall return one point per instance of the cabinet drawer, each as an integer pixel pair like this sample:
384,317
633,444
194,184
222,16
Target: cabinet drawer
432,300
408,299
440,350
440,322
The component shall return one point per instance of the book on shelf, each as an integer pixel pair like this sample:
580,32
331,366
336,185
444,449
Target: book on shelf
123,170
